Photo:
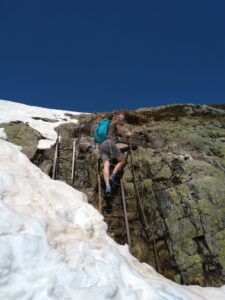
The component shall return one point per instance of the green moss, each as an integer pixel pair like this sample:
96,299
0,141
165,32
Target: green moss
172,221
164,173
22,135
128,176
131,205
217,133
220,247
188,246
148,185
174,196
180,230
205,207
177,278
194,273
183,192
185,261
129,190
214,190
217,150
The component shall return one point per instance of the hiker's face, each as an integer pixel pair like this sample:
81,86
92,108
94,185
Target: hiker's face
120,119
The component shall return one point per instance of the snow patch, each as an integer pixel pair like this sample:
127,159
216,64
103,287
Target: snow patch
37,118
54,245
3,135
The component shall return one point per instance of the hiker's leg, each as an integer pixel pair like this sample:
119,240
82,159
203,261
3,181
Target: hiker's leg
106,166
119,165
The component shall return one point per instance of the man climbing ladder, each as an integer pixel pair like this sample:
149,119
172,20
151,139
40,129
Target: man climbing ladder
108,149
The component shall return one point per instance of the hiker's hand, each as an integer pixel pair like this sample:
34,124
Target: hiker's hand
130,133
93,147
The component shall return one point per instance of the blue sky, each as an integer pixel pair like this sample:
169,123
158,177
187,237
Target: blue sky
105,55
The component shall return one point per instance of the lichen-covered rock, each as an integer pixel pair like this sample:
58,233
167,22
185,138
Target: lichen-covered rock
148,185
216,245
129,190
23,135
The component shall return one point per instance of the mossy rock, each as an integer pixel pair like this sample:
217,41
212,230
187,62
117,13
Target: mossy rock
129,190
128,177
208,214
217,133
148,185
185,261
211,188
164,174
168,200
217,150
177,278
216,245
195,273
181,230
23,135
148,162
189,246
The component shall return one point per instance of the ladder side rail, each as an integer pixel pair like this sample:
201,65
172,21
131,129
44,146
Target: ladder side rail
56,157
73,161
125,214
99,187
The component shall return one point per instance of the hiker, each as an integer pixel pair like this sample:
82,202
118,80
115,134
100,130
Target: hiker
109,150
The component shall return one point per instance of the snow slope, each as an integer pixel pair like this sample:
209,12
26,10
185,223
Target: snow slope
12,111
54,245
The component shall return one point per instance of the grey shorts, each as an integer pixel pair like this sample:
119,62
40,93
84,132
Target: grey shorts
109,150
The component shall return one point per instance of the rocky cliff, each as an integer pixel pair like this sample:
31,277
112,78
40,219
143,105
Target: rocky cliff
179,172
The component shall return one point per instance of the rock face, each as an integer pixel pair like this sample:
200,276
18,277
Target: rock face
179,226
23,135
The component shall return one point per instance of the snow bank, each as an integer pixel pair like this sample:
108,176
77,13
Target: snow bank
54,245
41,119
2,134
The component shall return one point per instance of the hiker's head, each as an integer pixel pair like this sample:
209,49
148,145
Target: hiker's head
120,118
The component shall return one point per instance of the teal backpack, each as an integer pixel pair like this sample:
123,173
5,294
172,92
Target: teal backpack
101,131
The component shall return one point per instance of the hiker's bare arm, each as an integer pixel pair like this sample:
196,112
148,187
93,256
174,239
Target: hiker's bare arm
123,131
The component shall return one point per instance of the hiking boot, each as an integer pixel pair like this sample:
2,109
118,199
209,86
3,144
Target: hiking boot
113,178
108,189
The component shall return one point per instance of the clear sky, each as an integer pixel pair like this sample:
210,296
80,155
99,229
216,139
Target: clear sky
103,55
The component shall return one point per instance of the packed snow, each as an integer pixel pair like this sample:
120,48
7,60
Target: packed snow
3,134
54,245
43,120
